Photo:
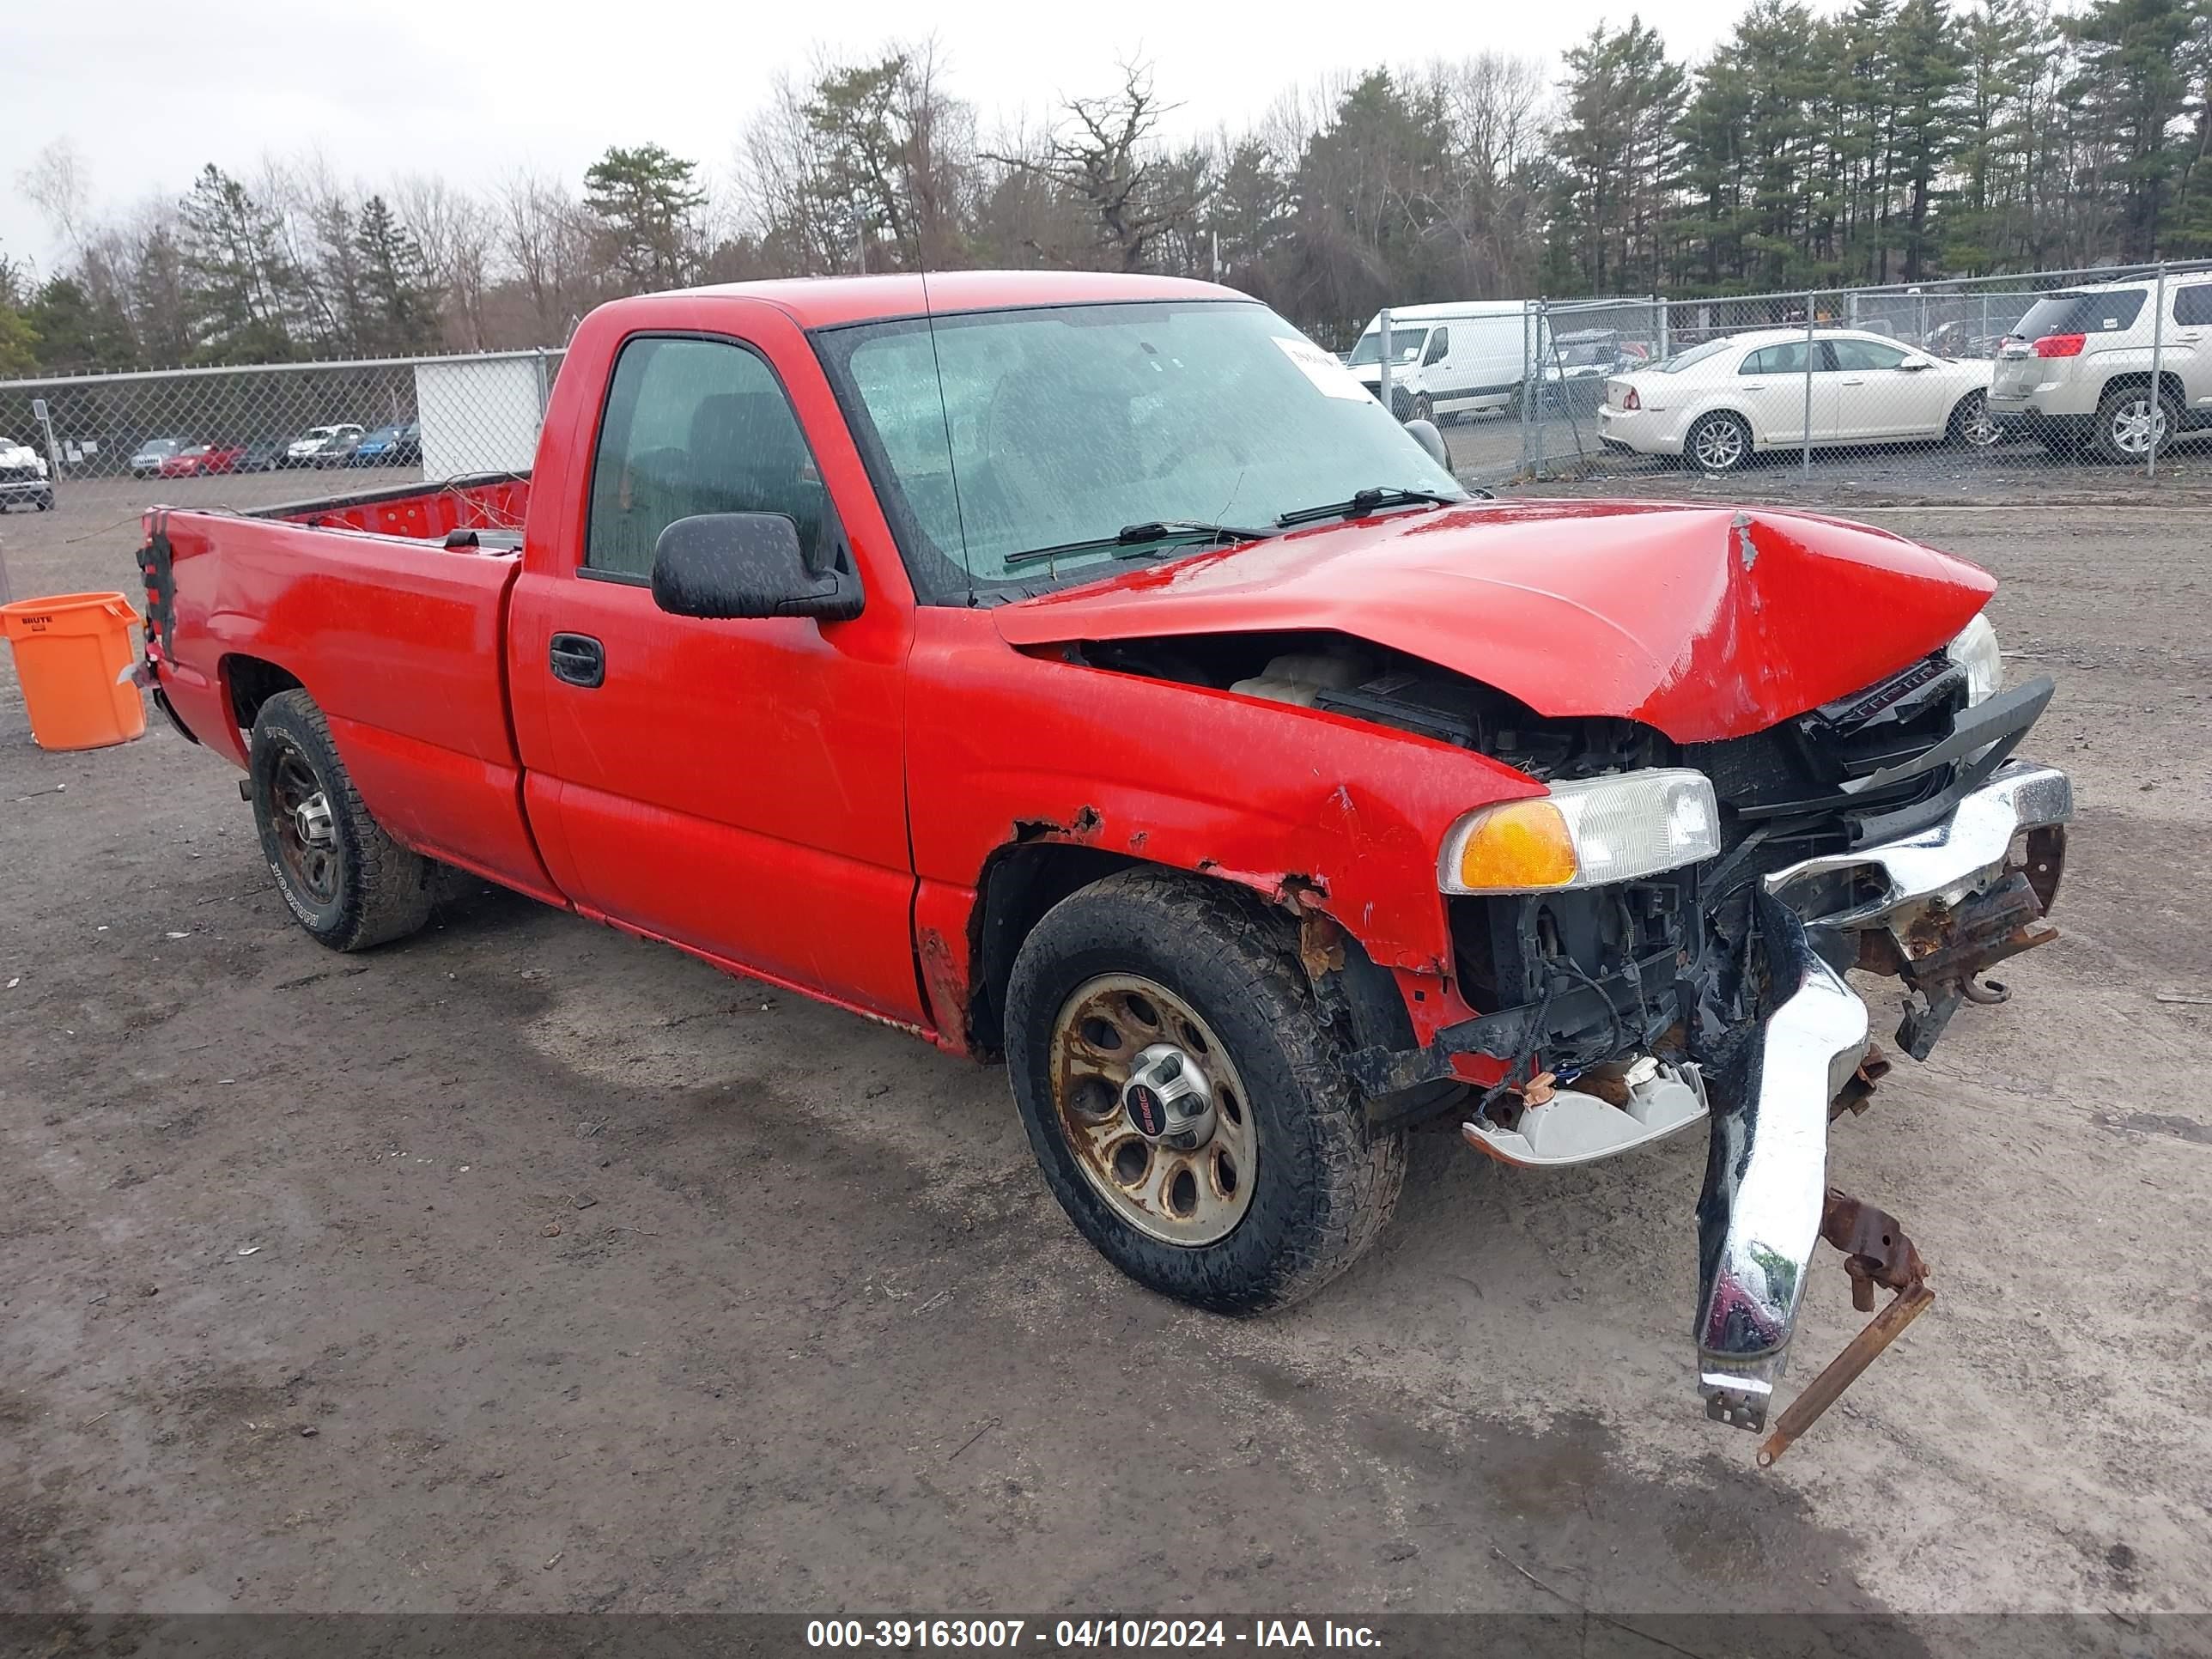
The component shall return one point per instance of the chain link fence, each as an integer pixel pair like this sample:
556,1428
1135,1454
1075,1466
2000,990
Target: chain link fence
190,436
1986,384
1980,383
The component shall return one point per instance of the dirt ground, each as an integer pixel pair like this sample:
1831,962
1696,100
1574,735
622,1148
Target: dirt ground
526,1266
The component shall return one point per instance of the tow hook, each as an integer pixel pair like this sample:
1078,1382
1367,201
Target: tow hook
1876,1252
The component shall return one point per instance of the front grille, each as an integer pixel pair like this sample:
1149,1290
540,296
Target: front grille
18,474
1782,791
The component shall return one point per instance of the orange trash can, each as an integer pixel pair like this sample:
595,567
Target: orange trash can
73,656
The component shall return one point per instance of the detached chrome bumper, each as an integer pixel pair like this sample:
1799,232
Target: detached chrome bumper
1944,864
1936,907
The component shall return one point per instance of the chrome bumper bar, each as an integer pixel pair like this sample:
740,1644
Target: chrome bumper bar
1759,1215
1946,861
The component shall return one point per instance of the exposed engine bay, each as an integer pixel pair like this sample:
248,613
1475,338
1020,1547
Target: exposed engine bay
1884,832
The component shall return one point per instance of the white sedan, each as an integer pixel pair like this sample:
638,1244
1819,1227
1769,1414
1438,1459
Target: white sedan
1719,404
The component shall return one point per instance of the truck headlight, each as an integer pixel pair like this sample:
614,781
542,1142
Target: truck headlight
1976,651
1584,833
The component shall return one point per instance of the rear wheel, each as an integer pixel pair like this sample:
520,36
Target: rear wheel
349,884
2132,422
1185,1100
1720,442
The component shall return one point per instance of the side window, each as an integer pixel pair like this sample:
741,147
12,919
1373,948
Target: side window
1859,354
1439,344
693,427
2192,305
1787,358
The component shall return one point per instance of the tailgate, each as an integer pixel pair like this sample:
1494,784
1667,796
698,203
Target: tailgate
401,642
2017,374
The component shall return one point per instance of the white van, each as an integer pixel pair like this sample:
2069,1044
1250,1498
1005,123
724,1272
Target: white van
1457,358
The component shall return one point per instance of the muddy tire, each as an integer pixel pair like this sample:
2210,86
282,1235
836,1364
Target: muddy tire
1289,1184
349,884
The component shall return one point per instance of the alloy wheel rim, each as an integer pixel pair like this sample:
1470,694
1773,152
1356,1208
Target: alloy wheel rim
306,841
2137,424
1190,1196
1978,429
1720,446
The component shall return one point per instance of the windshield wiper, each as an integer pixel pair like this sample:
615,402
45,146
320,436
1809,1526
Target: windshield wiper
1139,535
1366,500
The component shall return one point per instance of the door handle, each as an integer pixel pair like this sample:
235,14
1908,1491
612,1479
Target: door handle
1850,383
578,659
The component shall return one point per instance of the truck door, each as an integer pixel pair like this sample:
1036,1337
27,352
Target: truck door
736,786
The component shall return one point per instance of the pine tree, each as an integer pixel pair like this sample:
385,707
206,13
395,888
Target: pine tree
398,303
77,333
1617,144
1924,90
646,202
242,291
2132,82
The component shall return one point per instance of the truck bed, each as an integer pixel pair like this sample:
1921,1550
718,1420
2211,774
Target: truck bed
395,624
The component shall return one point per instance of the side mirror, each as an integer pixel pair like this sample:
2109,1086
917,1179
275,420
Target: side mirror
725,565
1425,434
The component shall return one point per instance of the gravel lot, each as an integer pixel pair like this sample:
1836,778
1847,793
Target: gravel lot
524,1265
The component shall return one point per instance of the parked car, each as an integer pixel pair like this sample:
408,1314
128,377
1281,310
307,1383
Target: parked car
146,460
339,450
2077,371
202,460
1579,363
1720,405
1083,668
264,455
389,445
1460,357
312,447
23,477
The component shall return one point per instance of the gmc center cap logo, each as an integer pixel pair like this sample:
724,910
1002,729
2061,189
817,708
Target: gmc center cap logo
1148,1113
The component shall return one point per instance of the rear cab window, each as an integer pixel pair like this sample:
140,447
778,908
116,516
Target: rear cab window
695,426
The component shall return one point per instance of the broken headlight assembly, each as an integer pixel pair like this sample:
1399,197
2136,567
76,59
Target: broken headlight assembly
1975,650
1584,832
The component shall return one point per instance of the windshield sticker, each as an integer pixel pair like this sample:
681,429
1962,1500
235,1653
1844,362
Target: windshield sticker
1323,370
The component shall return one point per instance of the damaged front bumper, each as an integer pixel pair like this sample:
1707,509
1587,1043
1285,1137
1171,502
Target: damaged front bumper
1936,907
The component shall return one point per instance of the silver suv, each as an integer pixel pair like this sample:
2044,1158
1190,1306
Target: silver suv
2076,370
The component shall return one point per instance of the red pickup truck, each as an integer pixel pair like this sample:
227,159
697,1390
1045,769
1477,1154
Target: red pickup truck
1085,670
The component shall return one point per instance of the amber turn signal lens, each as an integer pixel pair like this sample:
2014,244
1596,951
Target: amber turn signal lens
1511,848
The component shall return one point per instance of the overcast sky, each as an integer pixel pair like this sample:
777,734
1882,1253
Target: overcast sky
477,88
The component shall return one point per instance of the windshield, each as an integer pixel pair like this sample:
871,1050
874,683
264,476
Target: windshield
1406,342
160,447
1583,355
1068,424
382,435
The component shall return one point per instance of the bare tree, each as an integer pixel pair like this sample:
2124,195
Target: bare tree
1104,152
456,233
56,181
545,246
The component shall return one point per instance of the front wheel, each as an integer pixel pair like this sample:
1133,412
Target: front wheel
346,881
1425,409
1719,443
1185,1100
1971,426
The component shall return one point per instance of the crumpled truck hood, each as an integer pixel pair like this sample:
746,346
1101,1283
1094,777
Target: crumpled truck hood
1704,621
